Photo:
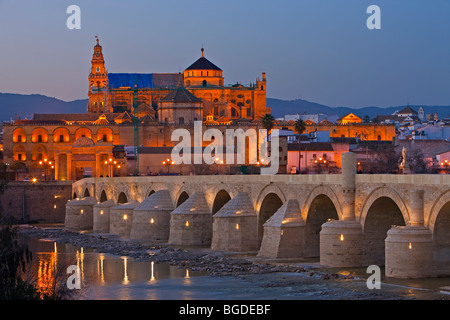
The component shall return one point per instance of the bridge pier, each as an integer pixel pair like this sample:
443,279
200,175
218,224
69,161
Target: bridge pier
79,214
284,233
191,222
409,249
121,218
234,226
341,241
102,215
151,219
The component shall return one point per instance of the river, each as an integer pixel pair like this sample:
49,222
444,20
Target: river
113,277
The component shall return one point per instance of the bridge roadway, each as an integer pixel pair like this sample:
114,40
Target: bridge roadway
348,219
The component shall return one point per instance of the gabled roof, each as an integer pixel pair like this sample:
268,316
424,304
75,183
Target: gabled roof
180,94
124,116
407,110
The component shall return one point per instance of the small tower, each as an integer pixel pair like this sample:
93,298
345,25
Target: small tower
98,79
421,114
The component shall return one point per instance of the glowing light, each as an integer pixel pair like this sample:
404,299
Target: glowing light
342,237
282,232
187,274
101,211
152,271
34,180
125,217
187,224
410,246
125,273
54,206
81,211
152,220
237,226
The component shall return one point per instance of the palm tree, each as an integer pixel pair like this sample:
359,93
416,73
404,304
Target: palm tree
299,127
268,121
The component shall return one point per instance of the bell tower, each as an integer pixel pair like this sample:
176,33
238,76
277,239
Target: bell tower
98,80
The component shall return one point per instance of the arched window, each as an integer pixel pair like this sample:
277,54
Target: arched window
39,135
61,135
204,83
181,120
105,135
19,135
19,153
83,132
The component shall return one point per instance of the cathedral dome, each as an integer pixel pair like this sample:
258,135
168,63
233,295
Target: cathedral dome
203,73
203,64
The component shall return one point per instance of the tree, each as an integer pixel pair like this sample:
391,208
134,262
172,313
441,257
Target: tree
366,119
268,121
299,127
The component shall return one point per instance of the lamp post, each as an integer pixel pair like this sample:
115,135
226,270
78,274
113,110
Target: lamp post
46,164
111,163
321,162
168,162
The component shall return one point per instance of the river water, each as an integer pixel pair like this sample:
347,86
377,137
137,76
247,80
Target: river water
107,276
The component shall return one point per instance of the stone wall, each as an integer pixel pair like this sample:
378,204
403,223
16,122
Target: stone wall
32,202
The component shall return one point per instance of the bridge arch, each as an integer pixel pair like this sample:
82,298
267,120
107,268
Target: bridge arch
320,208
86,192
383,208
439,224
270,199
103,196
181,197
388,193
316,192
221,198
122,198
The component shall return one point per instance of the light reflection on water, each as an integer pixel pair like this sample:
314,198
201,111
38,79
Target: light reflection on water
97,270
106,276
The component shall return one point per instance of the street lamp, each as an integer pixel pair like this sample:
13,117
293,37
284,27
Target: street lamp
111,163
46,164
168,162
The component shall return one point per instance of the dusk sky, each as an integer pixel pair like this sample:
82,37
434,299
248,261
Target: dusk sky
318,50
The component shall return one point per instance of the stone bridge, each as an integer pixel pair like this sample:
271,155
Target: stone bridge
346,220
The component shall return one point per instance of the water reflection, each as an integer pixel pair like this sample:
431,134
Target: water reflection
51,260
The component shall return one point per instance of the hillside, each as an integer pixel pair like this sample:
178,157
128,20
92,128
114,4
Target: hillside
282,107
19,105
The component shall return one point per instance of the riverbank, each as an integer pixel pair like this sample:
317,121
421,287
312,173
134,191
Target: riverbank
300,280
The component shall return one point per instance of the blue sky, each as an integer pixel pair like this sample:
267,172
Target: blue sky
318,50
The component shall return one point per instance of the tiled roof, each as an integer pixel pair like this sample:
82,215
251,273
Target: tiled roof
180,95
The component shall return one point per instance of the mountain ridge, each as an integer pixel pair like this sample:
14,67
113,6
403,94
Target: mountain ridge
15,106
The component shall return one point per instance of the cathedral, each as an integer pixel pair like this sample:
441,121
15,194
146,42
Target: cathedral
125,92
